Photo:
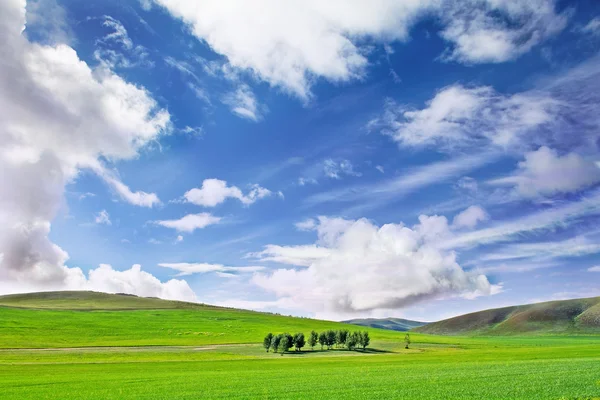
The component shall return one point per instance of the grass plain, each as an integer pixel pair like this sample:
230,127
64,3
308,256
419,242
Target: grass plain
180,351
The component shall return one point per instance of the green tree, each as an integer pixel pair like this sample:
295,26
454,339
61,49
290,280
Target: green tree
352,341
286,342
313,339
323,339
299,341
406,341
276,342
267,341
330,338
365,339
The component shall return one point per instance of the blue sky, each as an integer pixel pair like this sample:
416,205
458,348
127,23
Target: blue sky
419,159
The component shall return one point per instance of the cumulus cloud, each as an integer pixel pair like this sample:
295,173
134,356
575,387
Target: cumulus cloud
288,44
202,268
189,223
105,279
216,191
358,266
545,173
459,116
57,116
470,217
497,31
103,218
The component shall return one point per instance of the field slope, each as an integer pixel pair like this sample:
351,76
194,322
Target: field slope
578,316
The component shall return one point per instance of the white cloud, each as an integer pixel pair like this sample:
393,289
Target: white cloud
190,222
594,269
306,181
458,116
216,191
103,218
592,27
243,103
380,169
545,173
497,31
57,116
50,19
470,217
289,44
138,198
371,195
179,238
202,268
334,169
116,49
357,266
535,222
307,225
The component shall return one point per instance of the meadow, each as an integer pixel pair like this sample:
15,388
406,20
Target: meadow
207,352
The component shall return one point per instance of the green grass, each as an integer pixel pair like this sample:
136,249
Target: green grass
192,352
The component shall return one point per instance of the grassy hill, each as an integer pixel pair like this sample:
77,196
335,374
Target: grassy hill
578,316
394,324
81,319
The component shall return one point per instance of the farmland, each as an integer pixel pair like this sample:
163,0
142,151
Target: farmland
181,352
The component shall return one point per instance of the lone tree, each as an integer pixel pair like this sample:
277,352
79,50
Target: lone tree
330,338
286,342
276,342
365,339
267,341
313,339
406,340
299,341
323,339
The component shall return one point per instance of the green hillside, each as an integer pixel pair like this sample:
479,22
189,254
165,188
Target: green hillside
394,324
578,316
80,319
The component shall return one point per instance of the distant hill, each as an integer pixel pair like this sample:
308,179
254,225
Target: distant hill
554,317
88,300
394,324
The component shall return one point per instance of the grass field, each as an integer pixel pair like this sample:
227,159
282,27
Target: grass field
183,352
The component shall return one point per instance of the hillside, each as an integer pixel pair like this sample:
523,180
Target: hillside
394,324
84,319
553,317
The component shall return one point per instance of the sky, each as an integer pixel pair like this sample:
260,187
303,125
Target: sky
418,159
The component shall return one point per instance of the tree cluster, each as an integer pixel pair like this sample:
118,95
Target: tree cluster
342,338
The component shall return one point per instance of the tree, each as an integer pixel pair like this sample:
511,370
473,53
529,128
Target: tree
276,342
406,340
323,339
330,338
340,337
286,342
267,341
299,341
313,339
365,339
352,341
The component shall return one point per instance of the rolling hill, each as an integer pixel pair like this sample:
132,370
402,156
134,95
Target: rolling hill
394,324
84,319
577,316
